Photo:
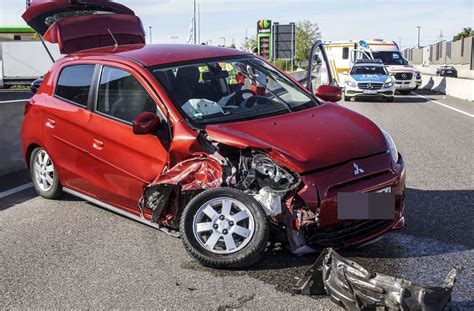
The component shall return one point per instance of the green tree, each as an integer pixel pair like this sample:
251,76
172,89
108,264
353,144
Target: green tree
306,33
465,33
248,44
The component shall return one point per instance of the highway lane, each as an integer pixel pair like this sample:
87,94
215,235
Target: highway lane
72,254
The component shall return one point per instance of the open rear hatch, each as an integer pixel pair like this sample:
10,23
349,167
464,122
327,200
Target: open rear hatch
84,24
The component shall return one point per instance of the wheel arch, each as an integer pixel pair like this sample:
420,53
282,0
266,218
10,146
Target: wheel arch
28,152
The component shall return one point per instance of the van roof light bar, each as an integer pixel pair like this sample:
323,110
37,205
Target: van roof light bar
368,61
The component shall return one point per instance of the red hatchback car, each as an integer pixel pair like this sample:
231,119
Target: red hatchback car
212,144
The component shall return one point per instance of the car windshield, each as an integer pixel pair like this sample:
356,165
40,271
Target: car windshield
368,70
218,91
390,58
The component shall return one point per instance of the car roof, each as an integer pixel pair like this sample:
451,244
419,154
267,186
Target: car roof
159,54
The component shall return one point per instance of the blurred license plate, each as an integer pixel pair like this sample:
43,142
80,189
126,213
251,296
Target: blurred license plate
369,205
449,71
370,92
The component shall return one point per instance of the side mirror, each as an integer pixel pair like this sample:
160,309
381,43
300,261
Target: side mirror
329,92
146,123
35,85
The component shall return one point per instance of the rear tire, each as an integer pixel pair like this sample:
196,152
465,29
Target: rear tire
44,176
224,228
347,98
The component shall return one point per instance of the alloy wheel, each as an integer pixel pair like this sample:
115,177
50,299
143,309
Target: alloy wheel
43,171
223,225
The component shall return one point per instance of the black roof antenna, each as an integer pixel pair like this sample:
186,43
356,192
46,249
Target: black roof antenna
116,43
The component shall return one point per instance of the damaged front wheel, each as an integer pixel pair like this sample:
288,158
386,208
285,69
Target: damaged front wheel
224,228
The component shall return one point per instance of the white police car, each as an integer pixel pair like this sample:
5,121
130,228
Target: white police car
369,78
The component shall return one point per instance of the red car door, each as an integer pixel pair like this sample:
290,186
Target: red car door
65,119
124,163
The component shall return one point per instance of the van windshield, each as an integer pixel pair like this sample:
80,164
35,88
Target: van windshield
227,90
390,58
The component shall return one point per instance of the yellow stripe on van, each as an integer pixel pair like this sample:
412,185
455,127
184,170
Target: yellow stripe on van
342,70
334,70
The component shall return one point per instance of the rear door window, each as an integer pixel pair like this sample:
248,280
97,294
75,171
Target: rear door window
122,96
74,84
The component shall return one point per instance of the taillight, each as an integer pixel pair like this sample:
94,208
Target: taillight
28,106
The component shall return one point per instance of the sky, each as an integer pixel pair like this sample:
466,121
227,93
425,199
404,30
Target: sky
337,19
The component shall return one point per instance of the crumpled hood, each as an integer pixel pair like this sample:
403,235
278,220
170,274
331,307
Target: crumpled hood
306,140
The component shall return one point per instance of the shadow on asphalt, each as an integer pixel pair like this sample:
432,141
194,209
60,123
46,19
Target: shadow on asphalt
399,99
26,195
16,199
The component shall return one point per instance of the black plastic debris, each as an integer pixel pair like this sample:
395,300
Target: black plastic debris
354,288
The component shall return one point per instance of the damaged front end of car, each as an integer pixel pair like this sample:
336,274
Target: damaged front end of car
354,288
215,165
296,191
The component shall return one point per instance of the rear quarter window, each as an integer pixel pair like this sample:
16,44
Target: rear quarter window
74,84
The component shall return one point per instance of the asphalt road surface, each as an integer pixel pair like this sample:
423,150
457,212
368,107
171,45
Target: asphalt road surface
72,254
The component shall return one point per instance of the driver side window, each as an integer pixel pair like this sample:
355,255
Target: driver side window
122,96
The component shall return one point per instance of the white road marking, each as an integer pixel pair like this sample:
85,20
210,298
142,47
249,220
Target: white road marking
15,190
14,101
446,106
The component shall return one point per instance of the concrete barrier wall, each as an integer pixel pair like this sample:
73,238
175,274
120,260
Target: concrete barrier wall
460,88
11,116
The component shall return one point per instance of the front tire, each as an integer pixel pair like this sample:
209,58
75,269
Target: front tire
224,228
390,99
44,176
347,98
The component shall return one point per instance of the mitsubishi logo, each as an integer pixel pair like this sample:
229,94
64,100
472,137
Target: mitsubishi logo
358,170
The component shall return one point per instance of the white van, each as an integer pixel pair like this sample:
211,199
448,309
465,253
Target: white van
343,54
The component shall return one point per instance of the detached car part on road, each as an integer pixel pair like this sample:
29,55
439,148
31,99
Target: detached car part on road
213,143
354,288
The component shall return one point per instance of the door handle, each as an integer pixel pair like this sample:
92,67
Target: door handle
51,123
98,144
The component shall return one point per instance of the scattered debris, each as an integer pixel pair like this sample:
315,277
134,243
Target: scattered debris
354,288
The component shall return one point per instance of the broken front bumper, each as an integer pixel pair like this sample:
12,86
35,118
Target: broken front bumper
321,191
354,288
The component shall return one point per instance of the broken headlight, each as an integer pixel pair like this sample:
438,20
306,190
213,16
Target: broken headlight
392,148
265,166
